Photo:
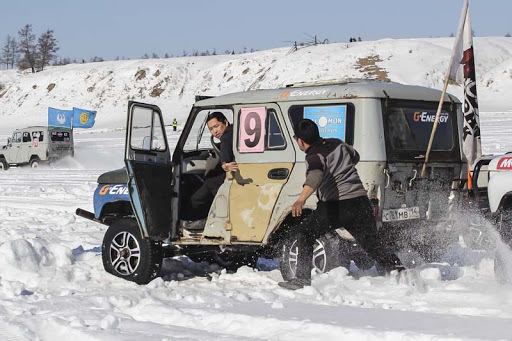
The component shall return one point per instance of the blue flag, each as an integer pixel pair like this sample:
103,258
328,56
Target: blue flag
83,118
59,118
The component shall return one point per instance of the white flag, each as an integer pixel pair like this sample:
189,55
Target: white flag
463,54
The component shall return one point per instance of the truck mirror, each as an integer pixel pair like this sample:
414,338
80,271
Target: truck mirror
9,141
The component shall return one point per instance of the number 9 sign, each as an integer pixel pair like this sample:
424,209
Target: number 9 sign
252,130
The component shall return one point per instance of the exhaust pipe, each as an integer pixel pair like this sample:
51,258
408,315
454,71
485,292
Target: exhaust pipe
88,215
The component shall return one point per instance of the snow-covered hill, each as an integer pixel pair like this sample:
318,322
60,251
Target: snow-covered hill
173,83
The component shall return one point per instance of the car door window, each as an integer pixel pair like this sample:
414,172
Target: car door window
26,137
275,139
16,138
199,135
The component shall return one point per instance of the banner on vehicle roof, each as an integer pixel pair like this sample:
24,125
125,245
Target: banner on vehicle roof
331,120
60,118
83,118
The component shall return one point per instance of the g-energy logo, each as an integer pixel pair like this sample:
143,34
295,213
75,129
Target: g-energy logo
113,190
425,117
505,163
298,93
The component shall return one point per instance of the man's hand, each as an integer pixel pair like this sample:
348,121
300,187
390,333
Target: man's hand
297,208
230,166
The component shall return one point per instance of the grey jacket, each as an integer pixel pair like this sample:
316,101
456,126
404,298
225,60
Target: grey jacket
331,170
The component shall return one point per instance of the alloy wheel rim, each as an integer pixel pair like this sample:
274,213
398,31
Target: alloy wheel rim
125,253
319,259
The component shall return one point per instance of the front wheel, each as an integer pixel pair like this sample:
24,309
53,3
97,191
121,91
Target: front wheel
329,252
3,164
127,255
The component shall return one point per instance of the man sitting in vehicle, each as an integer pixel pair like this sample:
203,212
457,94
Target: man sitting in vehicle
221,129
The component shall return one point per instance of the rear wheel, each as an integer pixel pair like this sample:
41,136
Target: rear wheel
329,252
3,164
503,256
127,255
34,163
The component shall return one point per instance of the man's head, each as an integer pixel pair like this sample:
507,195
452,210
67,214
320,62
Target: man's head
306,133
217,123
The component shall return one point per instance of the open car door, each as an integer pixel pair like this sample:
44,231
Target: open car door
149,168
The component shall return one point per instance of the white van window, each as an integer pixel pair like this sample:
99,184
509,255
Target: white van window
26,137
275,139
16,138
335,120
38,135
60,136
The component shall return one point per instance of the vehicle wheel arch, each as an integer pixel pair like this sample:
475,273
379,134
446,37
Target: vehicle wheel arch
284,227
116,210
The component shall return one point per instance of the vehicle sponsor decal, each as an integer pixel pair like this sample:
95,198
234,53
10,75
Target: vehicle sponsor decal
505,163
299,93
113,190
427,117
35,142
252,130
331,121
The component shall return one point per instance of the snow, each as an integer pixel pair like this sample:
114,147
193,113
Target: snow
52,282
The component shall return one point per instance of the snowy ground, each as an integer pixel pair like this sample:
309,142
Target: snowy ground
52,282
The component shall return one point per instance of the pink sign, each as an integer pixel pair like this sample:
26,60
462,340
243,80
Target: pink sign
252,130
35,142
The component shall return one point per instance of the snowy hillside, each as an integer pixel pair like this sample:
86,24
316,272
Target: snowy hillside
173,83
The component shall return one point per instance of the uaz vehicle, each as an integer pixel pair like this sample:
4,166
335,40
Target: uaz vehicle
36,145
389,124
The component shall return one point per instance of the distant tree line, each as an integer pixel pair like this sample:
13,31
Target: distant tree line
27,52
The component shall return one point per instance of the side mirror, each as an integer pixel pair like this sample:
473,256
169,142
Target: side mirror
9,141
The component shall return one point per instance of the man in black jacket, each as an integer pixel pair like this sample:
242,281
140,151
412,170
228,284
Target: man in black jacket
342,202
221,129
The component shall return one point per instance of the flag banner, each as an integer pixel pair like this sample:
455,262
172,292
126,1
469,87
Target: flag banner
83,118
59,118
463,53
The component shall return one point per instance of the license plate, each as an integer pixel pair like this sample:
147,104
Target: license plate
399,214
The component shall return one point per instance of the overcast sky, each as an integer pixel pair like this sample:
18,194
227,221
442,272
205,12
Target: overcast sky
131,28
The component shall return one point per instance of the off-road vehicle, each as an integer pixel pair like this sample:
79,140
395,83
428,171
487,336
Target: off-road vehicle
389,124
35,145
492,188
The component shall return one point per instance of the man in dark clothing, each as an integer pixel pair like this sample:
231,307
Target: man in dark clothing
342,202
221,129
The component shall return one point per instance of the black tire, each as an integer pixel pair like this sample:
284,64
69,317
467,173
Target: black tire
330,251
3,164
35,162
121,241
502,266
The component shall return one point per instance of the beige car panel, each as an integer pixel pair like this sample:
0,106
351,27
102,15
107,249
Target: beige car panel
252,199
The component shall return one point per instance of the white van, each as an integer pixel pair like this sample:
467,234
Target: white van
34,145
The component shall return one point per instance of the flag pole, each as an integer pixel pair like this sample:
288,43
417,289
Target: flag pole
434,128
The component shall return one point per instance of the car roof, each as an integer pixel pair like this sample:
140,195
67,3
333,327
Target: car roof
328,91
42,127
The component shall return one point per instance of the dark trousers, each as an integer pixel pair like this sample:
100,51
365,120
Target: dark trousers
356,216
202,199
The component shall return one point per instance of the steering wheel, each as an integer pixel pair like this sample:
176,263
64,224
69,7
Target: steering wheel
215,146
